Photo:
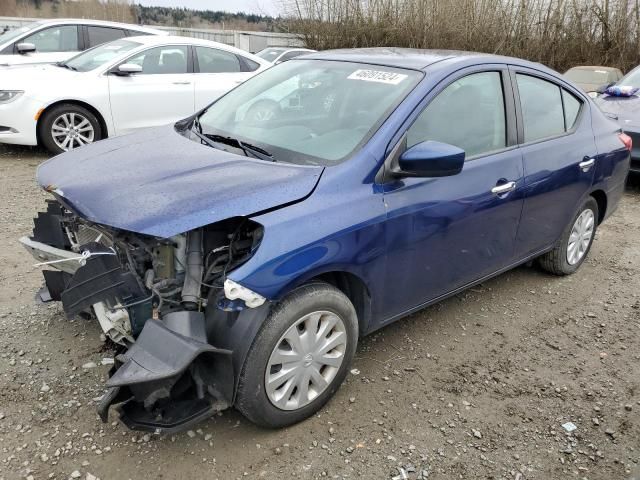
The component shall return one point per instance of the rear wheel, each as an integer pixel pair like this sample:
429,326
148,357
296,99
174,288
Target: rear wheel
68,126
299,358
576,241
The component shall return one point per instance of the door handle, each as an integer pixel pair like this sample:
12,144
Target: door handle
504,188
586,165
182,83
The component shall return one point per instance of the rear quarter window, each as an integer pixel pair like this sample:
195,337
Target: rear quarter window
571,109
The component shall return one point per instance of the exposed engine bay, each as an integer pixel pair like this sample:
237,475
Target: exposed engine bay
151,296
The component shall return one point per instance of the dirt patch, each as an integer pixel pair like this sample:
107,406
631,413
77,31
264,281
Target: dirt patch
478,386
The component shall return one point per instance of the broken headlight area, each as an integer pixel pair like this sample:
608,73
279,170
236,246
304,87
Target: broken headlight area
150,296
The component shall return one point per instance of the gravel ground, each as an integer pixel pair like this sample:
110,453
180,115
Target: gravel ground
478,386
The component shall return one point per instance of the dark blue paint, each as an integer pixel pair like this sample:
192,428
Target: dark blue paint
410,240
160,183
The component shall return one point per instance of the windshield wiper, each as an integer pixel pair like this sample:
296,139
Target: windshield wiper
64,65
247,148
256,151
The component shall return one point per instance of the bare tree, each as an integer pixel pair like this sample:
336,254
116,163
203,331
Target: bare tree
559,33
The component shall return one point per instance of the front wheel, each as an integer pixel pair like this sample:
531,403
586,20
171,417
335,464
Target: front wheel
572,249
299,358
68,126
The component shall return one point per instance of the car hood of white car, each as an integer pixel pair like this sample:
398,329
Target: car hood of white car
36,79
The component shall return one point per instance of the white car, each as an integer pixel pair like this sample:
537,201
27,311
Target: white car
50,41
277,55
116,88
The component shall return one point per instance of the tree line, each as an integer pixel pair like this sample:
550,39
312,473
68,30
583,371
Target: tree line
558,33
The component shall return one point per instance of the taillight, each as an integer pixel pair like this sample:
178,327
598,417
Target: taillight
626,140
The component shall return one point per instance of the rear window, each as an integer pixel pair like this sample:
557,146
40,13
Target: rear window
581,75
547,109
212,60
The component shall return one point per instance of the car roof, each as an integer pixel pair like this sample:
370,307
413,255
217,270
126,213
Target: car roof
101,23
150,40
411,58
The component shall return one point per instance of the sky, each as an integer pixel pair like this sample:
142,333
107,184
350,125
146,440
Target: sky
264,7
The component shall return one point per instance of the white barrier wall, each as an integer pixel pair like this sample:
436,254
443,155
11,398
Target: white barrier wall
247,40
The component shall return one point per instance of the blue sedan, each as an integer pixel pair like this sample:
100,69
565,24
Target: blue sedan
238,256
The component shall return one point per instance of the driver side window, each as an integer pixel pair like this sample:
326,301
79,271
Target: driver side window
55,39
469,114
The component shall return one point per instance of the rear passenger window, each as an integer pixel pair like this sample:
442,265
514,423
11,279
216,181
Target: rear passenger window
100,35
469,114
211,60
543,114
571,109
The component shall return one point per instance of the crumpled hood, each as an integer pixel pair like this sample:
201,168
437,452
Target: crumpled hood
157,182
626,109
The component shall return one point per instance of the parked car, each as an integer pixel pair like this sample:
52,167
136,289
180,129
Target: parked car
590,79
49,41
117,88
277,55
625,110
238,260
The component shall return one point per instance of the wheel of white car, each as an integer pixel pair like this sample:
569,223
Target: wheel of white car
263,111
572,249
68,126
299,358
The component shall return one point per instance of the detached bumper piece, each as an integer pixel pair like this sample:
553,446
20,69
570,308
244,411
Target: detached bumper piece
47,227
171,378
101,278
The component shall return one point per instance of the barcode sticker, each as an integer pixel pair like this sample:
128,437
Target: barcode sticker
379,76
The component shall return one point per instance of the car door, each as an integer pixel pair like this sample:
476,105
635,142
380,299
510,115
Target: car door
559,155
444,233
53,44
218,71
161,94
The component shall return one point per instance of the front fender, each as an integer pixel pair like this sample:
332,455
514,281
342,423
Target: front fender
235,331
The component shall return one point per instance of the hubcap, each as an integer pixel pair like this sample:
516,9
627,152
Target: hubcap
580,237
71,130
305,360
263,115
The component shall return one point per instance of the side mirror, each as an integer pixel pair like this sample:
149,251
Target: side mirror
128,69
602,88
24,48
431,159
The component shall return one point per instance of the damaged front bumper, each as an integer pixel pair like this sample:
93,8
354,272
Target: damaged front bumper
180,378
153,297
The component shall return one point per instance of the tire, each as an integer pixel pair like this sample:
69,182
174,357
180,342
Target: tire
254,399
557,260
56,120
262,111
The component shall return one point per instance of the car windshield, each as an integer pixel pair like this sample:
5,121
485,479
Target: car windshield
270,54
10,35
581,75
100,55
631,79
309,111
